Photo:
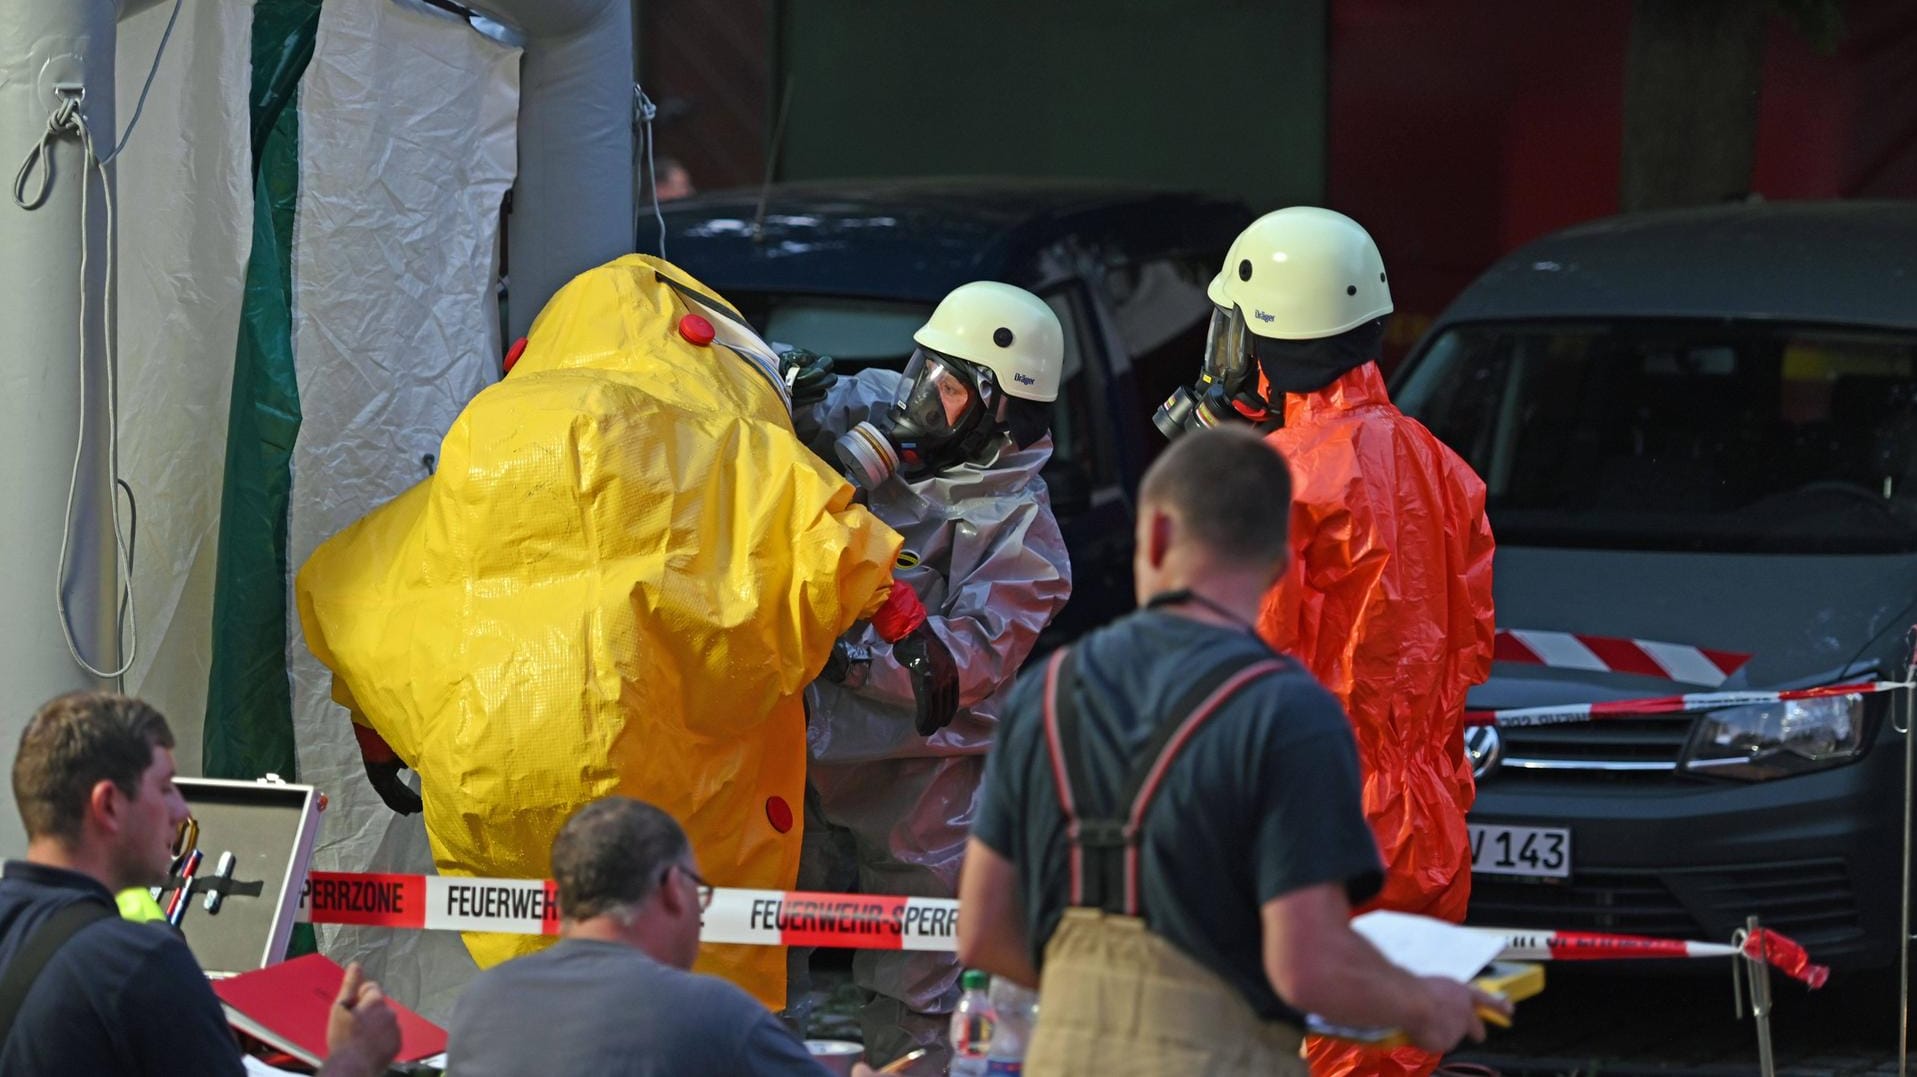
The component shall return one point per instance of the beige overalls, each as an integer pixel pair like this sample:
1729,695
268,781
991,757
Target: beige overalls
1115,999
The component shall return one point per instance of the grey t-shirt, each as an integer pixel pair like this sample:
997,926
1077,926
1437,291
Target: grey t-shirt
606,1009
1264,799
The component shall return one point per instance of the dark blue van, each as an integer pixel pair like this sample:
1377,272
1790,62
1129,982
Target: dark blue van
1699,433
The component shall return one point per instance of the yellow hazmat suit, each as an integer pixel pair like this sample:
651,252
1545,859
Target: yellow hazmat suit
620,580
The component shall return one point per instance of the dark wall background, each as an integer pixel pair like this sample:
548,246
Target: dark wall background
1224,95
707,64
1454,130
1461,129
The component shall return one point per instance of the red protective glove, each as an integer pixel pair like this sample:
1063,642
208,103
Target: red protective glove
373,747
901,613
382,770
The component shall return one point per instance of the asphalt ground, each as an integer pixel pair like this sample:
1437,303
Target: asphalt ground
1603,1024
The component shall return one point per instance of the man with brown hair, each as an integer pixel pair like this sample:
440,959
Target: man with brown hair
81,990
1171,834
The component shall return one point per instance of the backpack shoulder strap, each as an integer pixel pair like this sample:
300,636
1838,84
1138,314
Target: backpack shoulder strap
1069,775
1099,884
1168,740
39,948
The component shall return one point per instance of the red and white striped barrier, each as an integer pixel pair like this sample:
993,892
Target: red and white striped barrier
1567,713
860,921
1679,662
431,902
1765,945
529,907
1589,946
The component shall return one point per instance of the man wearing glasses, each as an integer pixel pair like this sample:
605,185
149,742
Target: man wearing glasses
614,996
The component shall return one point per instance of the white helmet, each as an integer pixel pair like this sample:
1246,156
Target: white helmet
1006,330
1303,273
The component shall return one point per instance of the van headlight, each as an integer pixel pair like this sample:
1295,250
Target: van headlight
1776,739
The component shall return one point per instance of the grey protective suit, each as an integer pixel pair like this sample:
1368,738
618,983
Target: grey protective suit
985,555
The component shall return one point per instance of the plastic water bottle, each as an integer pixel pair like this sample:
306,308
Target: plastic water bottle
971,1026
1014,1010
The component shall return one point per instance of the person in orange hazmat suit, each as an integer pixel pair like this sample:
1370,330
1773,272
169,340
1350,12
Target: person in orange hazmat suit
1387,599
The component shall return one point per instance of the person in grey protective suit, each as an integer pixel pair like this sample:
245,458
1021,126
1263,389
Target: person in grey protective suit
948,454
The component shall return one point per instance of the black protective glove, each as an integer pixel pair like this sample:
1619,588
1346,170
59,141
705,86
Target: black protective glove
837,664
382,769
808,373
392,788
935,687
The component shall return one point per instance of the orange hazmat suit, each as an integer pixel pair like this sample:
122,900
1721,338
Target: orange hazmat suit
1387,600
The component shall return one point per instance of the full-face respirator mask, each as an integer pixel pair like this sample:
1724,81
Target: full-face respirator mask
1227,387
946,411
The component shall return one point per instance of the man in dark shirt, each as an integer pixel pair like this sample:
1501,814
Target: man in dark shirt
93,779
614,998
1196,945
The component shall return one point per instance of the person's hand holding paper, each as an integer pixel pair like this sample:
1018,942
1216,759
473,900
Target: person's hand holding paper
1447,957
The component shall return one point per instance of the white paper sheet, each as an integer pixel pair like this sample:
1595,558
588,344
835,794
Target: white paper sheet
1423,946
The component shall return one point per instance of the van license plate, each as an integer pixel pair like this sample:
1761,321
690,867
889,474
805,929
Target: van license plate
1530,851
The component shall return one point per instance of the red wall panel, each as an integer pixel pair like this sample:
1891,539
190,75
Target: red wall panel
1460,129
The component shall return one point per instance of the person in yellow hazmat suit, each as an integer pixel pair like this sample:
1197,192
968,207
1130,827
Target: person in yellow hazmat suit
949,455
619,581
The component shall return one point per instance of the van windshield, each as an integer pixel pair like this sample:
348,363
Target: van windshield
1677,435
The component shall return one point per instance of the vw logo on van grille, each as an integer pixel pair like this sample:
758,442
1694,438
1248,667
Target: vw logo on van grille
1484,747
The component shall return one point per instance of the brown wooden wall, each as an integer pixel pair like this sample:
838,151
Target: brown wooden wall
706,64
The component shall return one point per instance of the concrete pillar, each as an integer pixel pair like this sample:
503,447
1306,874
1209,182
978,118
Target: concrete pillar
45,44
573,201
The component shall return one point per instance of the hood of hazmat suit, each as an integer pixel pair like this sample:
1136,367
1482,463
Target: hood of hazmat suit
620,580
1387,601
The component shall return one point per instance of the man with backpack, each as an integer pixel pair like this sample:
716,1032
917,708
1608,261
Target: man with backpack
1171,840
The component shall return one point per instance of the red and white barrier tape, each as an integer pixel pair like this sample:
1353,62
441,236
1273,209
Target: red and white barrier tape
1609,654
1766,945
1567,713
431,902
1588,946
852,921
528,907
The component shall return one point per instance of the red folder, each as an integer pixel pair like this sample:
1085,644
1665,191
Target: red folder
287,1006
